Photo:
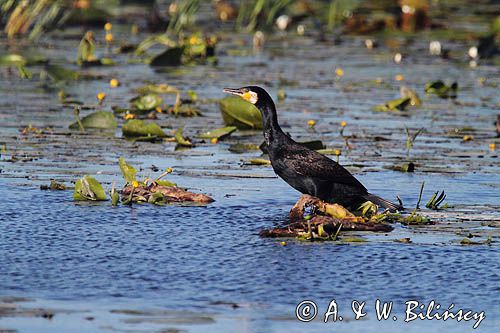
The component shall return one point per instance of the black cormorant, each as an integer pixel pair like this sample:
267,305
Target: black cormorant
302,168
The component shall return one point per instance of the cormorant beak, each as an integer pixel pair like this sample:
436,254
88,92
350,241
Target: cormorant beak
237,91
244,93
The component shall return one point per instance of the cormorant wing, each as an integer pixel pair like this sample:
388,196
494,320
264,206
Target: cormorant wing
309,163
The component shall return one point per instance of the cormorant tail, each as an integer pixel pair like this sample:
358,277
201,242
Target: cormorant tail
382,202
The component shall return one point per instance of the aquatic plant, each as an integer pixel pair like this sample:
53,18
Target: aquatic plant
410,139
182,14
259,14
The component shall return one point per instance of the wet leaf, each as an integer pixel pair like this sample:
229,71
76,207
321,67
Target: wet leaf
139,128
259,161
115,198
107,62
99,119
467,241
181,140
185,110
12,59
405,167
218,133
281,95
24,73
59,73
353,240
54,186
240,113
336,211
399,104
128,171
171,57
88,188
436,200
192,95
240,148
411,94
406,240
86,49
146,102
164,182
156,198
161,88
442,90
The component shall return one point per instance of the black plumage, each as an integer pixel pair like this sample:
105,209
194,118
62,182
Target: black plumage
302,168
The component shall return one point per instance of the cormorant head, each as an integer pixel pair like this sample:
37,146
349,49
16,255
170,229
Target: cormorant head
252,94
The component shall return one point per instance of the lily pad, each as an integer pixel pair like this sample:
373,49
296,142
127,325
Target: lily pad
59,73
181,140
259,161
128,171
88,188
146,102
240,113
353,240
240,148
411,94
399,104
186,110
441,89
161,88
171,57
12,59
218,133
139,128
99,119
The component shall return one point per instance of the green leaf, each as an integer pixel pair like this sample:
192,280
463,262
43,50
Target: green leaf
411,94
24,73
164,182
128,171
156,198
240,148
107,62
181,140
12,59
440,89
187,110
146,102
353,240
399,104
99,119
115,198
86,49
139,128
259,161
59,73
240,113
218,133
88,188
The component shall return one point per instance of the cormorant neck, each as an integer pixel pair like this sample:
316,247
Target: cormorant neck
269,119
